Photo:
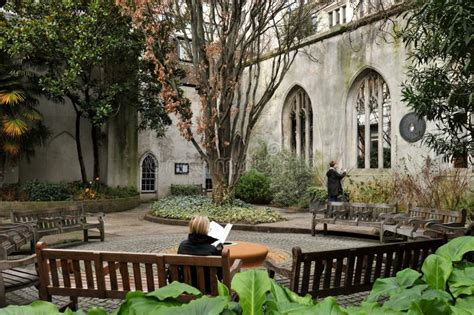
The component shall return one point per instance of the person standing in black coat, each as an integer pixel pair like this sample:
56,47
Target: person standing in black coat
198,242
334,182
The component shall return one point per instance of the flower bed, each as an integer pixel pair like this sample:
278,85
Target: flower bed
185,207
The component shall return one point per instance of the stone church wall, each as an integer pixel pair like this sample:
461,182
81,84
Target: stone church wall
328,69
171,149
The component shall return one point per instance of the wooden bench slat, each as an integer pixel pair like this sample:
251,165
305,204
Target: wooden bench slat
200,278
89,276
150,279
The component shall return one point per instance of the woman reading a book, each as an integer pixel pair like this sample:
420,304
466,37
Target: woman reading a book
198,242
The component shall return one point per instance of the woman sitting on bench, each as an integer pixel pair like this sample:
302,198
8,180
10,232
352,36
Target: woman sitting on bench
198,242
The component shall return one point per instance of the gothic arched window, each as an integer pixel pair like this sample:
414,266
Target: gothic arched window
148,174
298,124
373,106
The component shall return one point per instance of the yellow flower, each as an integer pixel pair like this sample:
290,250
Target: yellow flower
87,189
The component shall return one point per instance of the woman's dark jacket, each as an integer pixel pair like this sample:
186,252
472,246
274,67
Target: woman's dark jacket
199,245
334,182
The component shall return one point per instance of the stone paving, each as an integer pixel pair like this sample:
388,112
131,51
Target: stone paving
127,231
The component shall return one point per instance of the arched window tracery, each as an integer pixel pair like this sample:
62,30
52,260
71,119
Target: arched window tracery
373,110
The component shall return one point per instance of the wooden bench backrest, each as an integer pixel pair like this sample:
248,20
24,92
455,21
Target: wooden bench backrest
199,271
113,274
442,215
72,217
361,211
347,271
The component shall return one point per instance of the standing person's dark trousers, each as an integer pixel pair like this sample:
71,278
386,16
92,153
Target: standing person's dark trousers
334,184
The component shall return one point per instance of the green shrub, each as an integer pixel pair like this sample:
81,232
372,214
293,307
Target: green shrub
445,286
317,193
290,179
185,207
290,176
43,191
119,192
186,190
254,187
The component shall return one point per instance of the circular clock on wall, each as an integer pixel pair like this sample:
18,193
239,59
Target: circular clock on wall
412,128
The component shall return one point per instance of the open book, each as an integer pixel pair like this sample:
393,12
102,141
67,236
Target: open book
218,232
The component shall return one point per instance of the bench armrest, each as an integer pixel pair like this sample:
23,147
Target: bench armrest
8,264
394,218
235,268
446,228
421,222
5,237
95,214
271,268
319,211
387,215
446,225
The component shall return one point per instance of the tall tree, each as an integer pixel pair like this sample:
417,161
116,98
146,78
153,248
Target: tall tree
230,44
440,37
88,53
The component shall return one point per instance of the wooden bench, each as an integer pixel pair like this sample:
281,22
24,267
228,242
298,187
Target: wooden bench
110,275
13,237
14,277
347,271
356,214
56,221
418,221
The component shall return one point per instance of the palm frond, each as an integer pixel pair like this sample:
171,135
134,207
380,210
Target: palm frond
11,148
11,97
14,126
32,114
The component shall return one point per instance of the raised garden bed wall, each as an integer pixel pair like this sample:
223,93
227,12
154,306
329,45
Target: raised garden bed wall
104,205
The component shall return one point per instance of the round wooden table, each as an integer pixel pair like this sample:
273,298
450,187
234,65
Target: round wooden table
252,254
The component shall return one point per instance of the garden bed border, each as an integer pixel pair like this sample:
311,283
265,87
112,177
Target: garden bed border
259,227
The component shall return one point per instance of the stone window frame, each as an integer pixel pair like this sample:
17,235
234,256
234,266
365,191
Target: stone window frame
298,100
382,85
151,156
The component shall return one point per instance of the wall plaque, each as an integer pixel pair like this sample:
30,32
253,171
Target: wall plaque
412,128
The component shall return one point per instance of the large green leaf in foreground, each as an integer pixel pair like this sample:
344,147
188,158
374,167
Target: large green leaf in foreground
252,287
436,271
455,249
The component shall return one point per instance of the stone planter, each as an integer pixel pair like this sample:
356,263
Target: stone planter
104,205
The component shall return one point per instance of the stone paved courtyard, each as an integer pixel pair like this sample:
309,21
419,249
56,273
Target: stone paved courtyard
127,231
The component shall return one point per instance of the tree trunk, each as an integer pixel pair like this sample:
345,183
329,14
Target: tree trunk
79,146
95,149
221,191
